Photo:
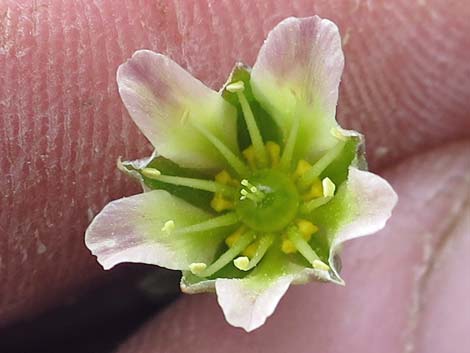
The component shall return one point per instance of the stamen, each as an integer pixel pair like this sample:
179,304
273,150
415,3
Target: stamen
151,173
328,187
328,191
316,169
264,243
197,267
242,263
315,190
306,250
255,135
229,156
315,203
288,152
229,255
168,227
200,184
235,87
227,219
320,265
305,228
233,238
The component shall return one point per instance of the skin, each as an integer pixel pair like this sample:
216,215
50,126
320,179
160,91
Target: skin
405,86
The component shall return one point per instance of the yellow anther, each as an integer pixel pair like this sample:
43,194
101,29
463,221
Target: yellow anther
288,247
249,154
274,152
219,203
232,238
225,178
168,227
197,267
316,190
238,86
328,187
302,167
250,250
241,263
320,265
306,228
151,173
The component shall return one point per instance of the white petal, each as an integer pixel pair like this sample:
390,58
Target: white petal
166,102
247,304
130,230
297,75
373,200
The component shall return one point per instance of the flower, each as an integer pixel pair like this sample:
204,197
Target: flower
250,189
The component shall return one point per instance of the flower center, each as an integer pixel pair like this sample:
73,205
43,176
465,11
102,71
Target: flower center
268,197
269,201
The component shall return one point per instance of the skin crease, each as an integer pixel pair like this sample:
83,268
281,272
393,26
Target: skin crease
62,126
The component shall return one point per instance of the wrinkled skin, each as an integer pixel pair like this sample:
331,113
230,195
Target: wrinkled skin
405,86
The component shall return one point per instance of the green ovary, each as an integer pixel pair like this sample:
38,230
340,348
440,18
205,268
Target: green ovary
273,203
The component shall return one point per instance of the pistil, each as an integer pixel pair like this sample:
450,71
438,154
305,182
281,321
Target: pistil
251,192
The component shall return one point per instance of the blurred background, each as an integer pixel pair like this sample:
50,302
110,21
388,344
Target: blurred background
98,318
